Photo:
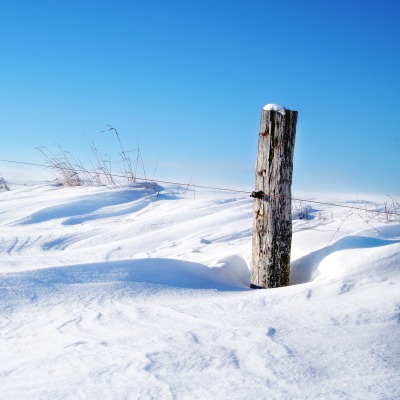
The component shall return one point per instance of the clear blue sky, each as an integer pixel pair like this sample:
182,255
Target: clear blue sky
187,81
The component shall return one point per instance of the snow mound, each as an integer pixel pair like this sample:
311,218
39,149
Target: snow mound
358,248
234,269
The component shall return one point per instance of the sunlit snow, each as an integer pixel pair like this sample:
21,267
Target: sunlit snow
126,294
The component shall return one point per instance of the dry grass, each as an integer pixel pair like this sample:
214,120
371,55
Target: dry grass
3,183
69,171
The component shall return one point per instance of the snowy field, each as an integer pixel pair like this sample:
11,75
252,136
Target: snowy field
123,294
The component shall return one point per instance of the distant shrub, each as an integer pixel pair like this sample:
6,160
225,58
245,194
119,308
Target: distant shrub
3,183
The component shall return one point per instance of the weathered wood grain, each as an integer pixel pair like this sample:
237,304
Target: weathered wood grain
272,226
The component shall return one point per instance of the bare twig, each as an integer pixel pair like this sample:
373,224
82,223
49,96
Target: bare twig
125,158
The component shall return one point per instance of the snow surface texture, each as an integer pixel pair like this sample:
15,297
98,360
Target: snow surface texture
125,295
275,107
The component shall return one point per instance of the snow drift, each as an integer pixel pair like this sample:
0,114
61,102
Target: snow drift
124,294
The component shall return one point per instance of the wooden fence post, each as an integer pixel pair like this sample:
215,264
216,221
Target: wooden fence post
272,223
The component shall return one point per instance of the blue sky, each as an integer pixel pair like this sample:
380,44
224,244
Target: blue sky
187,81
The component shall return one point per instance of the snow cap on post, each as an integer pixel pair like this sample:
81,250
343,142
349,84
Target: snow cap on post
275,107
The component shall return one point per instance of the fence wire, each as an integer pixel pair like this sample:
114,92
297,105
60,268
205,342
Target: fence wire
195,186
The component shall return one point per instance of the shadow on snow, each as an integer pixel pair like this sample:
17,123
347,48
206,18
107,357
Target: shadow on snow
231,275
77,212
